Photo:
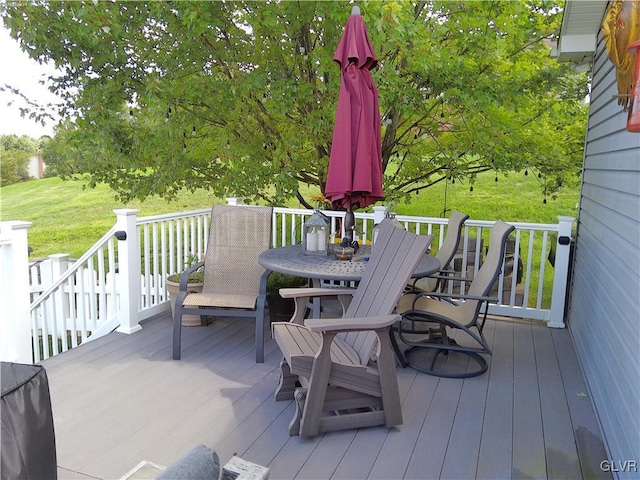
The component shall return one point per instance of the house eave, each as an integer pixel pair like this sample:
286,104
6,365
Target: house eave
581,23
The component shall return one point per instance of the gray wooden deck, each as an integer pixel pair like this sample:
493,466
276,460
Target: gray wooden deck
122,399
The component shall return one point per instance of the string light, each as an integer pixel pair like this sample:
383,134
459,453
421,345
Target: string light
193,132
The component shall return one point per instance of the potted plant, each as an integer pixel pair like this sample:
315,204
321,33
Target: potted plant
195,283
281,309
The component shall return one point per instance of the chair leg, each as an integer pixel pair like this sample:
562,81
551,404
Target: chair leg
260,337
300,398
388,380
287,383
177,332
317,389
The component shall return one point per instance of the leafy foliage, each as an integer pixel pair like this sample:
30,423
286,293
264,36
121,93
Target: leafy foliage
14,157
239,97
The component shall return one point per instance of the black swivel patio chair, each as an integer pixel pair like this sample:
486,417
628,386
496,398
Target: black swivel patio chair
444,255
430,319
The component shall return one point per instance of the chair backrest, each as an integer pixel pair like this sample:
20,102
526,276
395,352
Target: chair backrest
446,251
394,259
451,240
489,271
237,235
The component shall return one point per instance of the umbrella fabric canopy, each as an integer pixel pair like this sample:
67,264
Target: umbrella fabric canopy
354,179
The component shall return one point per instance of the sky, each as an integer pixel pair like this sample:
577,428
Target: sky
20,71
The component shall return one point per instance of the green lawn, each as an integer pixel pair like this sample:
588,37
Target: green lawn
68,218
516,197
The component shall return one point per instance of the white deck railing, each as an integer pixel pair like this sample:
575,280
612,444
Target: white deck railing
121,280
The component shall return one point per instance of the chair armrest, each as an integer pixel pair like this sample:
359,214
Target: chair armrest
449,277
184,277
314,292
350,324
461,296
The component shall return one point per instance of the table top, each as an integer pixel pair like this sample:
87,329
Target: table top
291,260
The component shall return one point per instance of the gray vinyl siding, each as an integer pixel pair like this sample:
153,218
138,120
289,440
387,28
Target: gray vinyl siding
604,313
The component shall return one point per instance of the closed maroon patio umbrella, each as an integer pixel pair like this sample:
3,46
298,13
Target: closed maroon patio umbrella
354,178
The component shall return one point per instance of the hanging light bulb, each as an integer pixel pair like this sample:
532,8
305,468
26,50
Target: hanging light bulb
166,119
130,114
539,175
228,145
526,172
496,179
471,188
184,148
193,132
544,201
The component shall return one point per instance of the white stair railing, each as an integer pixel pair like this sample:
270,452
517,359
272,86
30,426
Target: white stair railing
78,302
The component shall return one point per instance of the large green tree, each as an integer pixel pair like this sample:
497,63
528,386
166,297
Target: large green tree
240,97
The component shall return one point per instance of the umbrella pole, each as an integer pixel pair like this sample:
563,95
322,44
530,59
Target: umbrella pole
349,226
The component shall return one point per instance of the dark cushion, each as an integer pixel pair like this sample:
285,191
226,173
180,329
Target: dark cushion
200,463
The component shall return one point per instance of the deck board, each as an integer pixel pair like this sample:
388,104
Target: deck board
591,450
495,458
122,399
528,443
560,443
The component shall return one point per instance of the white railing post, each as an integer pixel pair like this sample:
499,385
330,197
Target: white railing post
234,200
59,265
379,213
561,272
15,321
128,281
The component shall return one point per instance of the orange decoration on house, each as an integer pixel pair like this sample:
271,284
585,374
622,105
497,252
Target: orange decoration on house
621,28
633,120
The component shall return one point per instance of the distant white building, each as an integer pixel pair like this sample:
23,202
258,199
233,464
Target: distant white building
36,166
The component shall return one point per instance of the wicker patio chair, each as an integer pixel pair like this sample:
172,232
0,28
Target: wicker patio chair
235,284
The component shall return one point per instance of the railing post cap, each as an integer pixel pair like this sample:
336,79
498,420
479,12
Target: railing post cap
126,211
15,224
564,218
59,256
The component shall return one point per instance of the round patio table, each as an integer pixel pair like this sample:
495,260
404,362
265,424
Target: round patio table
291,260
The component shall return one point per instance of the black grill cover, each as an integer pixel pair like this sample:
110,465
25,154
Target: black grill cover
28,440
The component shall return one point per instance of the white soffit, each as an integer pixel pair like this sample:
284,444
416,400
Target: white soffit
581,22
